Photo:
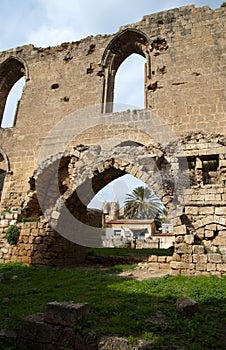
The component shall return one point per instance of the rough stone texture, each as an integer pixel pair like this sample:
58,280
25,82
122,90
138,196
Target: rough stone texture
55,329
186,305
184,87
65,314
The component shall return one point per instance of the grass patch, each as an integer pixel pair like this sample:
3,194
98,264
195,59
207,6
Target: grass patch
118,305
129,252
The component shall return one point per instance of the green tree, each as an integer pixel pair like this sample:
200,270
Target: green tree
142,203
223,4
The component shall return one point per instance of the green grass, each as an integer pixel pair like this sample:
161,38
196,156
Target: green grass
119,305
130,252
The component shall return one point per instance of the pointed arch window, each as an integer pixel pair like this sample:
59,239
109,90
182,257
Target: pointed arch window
12,73
128,42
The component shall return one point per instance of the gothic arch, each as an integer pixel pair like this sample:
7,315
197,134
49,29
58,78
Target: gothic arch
123,45
11,70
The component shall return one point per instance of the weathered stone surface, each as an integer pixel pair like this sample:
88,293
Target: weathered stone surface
66,314
186,305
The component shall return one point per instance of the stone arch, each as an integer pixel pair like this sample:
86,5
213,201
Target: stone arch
11,70
124,44
52,171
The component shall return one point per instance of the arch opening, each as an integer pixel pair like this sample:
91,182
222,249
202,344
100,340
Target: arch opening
12,81
128,42
129,83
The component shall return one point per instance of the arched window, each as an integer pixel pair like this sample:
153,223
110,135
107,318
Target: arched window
129,83
128,42
12,104
11,72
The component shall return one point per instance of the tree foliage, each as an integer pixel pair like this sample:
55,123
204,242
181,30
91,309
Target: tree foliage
142,203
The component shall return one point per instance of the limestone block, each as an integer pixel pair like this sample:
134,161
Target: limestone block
186,258
153,258
153,266
200,266
209,234
4,223
55,215
176,257
161,259
175,272
206,210
202,258
220,211
183,248
65,314
219,241
180,230
221,268
214,258
175,265
198,249
211,267
191,210
189,239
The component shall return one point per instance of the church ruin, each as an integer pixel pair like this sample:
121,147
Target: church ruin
67,142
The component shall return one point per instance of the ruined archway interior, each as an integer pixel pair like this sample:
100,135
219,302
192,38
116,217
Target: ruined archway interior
12,73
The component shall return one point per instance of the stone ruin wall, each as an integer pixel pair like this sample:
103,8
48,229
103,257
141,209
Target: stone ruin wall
184,85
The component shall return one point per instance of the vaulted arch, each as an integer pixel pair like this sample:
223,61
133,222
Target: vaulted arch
123,45
11,70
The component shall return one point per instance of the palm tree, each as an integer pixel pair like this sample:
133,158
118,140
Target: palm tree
143,204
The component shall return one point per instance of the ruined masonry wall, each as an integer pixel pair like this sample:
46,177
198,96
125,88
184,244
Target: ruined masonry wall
68,77
38,244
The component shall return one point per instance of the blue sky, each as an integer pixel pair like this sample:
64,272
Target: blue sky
51,22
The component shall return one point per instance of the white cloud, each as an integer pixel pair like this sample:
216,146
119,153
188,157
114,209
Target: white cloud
49,36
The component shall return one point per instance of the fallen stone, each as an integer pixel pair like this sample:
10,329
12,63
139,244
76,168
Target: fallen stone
186,305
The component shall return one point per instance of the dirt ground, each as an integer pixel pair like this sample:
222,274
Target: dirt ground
141,273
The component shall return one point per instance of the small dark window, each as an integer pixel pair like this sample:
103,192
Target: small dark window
54,86
210,163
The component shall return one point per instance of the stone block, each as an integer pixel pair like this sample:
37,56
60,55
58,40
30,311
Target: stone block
200,266
63,336
176,257
153,266
198,249
28,326
209,234
175,265
221,268
211,267
183,248
161,259
153,258
214,258
206,210
180,230
220,211
66,314
189,239
202,258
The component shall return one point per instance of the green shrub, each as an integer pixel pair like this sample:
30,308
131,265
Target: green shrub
12,234
223,4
